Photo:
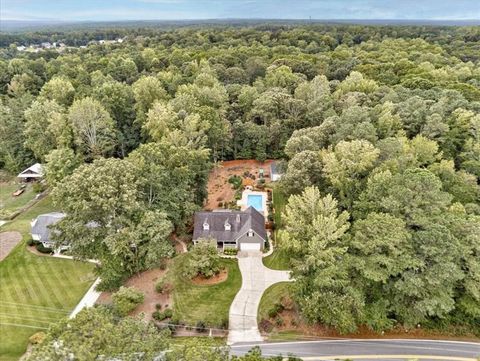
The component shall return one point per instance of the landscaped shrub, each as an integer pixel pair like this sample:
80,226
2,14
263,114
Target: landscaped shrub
160,286
126,299
42,249
37,338
201,326
158,306
38,187
230,251
279,321
158,315
168,313
32,242
275,310
224,324
235,181
203,260
266,325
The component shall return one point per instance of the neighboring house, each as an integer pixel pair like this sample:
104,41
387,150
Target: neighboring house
35,172
243,230
41,229
275,173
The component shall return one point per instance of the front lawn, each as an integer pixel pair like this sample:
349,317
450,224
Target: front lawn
35,290
209,303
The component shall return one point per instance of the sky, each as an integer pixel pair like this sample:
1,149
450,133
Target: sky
109,10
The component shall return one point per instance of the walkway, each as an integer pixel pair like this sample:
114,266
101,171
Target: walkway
256,278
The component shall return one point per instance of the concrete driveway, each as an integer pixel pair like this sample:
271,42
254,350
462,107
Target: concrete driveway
256,278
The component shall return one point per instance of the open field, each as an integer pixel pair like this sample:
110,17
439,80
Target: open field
207,303
10,204
35,290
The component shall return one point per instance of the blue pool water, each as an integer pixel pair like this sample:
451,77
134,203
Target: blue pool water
255,201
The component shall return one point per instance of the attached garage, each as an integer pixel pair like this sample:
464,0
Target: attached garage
249,246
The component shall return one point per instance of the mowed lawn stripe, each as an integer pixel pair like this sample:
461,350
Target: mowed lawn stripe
35,290
49,278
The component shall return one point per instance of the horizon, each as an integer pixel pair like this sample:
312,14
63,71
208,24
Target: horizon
69,11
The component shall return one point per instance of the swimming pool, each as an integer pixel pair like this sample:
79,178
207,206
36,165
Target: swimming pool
255,201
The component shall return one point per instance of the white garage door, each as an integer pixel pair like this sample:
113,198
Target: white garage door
250,246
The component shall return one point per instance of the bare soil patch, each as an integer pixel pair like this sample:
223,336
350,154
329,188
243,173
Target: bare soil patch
145,283
218,278
8,241
219,190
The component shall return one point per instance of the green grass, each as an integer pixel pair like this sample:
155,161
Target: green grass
280,258
22,222
279,200
35,291
210,304
271,296
8,203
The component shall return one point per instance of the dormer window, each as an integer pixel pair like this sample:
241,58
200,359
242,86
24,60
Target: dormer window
250,233
228,226
206,226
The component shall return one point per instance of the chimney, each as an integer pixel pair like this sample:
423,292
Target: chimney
227,225
206,226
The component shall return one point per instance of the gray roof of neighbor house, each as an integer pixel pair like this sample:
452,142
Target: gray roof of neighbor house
240,223
41,223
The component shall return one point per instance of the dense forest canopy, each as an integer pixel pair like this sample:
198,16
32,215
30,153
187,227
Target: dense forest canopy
379,128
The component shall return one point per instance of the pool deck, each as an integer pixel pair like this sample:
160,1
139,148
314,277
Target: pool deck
243,203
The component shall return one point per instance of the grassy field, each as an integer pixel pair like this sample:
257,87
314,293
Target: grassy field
8,203
210,304
271,296
22,222
279,259
34,290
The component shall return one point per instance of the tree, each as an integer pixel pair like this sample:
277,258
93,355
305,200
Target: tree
172,178
93,128
107,220
13,154
59,90
147,90
202,260
45,128
60,163
304,170
126,299
314,231
96,333
346,167
118,99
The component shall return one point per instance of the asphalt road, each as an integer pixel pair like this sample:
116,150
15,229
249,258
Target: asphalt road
374,350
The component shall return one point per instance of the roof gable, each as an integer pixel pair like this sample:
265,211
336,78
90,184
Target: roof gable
240,223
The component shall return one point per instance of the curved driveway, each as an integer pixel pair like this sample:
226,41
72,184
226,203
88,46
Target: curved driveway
377,350
256,278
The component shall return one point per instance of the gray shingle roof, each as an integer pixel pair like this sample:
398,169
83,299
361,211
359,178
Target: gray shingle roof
240,223
41,223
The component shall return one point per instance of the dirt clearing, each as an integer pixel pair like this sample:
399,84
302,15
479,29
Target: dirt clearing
219,190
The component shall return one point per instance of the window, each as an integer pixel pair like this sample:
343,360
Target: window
250,233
